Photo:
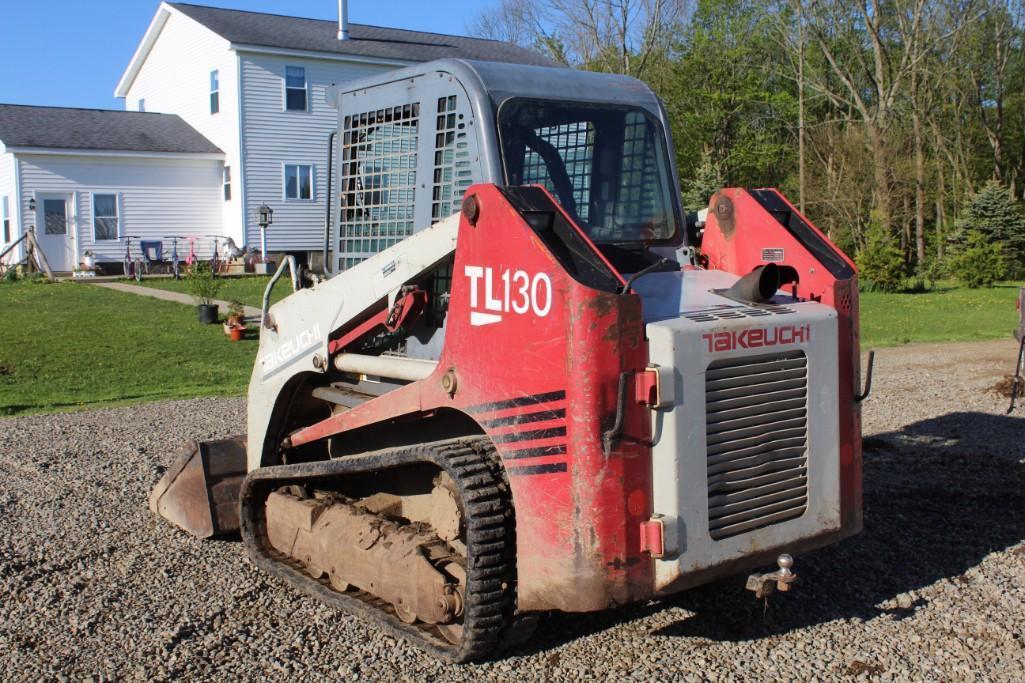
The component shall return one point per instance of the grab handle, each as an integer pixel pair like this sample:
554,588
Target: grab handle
287,261
868,378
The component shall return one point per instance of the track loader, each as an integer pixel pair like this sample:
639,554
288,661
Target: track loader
518,388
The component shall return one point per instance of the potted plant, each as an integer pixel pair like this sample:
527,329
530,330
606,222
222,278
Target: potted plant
204,285
235,322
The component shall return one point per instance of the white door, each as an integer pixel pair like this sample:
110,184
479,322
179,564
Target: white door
53,230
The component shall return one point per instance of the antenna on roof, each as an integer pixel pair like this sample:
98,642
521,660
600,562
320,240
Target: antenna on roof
343,20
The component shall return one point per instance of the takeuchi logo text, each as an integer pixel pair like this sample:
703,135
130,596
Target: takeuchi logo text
757,338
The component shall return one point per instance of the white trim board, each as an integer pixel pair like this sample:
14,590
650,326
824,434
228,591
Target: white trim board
58,151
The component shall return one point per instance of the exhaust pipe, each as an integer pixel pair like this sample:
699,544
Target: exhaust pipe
758,286
343,20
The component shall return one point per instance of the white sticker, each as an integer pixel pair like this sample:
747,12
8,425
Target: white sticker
512,292
290,350
773,255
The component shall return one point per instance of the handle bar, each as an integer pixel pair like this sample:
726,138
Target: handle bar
290,262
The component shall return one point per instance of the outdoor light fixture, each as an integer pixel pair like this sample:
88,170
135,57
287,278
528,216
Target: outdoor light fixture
31,203
266,217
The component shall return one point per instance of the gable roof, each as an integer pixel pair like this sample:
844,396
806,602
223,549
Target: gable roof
99,129
319,35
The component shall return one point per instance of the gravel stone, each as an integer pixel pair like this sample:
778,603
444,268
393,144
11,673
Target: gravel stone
95,587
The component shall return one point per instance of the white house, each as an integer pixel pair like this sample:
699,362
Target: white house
254,84
226,111
87,178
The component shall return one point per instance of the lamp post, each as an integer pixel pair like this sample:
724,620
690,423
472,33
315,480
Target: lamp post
266,217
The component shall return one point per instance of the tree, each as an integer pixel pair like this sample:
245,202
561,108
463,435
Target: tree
981,263
880,261
729,103
881,117
997,218
616,36
707,181
870,49
992,65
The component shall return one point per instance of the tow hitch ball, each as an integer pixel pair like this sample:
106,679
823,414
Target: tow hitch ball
763,585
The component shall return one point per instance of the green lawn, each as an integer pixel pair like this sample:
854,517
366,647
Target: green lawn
247,289
69,345
944,314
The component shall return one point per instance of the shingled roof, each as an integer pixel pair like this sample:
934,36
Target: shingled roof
317,35
99,129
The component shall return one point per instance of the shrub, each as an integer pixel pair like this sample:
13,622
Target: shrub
708,180
203,283
994,213
236,312
981,262
914,284
880,262
933,271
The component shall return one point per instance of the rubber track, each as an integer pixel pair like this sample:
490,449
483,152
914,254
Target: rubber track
477,471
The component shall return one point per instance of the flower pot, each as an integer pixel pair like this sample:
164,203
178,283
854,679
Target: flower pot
237,333
207,314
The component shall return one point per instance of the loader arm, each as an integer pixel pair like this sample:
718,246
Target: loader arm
306,323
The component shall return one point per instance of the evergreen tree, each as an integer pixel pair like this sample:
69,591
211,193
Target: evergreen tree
981,262
707,181
995,216
880,261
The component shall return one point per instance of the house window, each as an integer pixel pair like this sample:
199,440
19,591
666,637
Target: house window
295,88
227,183
142,105
7,219
298,181
215,92
105,217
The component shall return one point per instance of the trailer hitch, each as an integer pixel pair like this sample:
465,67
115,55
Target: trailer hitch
764,585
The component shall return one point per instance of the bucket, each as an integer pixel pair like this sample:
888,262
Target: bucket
199,492
207,314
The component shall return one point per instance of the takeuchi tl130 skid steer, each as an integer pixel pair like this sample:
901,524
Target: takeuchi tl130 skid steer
517,388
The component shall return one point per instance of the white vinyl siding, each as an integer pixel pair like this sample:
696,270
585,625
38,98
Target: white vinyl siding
255,130
106,212
298,180
157,197
297,92
275,137
175,79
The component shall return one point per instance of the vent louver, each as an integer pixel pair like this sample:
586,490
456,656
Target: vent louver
756,411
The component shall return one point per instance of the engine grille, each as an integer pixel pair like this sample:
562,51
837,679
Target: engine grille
756,419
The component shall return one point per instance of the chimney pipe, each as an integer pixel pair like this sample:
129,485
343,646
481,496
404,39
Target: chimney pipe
343,20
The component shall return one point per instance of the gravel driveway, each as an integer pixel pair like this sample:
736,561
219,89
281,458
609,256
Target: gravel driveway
92,586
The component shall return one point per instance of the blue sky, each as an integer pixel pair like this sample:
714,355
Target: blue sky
72,52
